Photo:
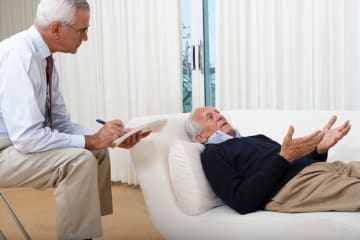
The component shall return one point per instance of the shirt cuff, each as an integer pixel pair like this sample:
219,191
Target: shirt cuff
78,141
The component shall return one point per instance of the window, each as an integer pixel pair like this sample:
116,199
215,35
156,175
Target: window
198,53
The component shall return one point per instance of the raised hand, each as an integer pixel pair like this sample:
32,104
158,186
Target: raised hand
332,135
292,149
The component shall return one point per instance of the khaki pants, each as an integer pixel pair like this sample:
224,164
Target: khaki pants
82,182
321,186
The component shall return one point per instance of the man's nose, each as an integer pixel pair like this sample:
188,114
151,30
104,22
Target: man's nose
85,37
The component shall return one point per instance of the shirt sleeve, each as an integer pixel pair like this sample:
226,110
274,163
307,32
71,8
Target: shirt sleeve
22,83
318,157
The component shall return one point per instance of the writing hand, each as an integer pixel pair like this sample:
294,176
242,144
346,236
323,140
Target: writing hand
105,136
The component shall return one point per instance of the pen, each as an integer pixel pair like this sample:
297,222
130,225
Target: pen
100,121
103,123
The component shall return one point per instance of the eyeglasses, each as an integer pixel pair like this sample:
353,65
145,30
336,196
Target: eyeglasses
81,30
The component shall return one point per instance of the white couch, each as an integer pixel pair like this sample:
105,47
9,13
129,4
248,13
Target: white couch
151,160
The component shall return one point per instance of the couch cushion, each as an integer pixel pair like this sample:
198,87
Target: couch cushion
192,190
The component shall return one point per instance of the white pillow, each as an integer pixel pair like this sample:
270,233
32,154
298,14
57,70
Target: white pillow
192,190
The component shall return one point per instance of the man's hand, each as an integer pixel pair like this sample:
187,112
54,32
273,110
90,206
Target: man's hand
292,149
133,139
332,135
105,136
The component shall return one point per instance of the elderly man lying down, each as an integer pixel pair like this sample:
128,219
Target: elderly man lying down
251,173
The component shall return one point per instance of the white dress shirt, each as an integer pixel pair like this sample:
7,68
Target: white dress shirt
23,98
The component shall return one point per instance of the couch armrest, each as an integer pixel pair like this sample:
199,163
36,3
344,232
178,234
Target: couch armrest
153,173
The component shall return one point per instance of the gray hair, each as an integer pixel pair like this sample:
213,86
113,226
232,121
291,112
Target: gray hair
192,127
62,11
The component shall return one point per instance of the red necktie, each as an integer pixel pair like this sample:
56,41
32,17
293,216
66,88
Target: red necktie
49,70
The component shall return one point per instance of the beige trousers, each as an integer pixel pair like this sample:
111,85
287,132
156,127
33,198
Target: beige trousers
321,186
82,182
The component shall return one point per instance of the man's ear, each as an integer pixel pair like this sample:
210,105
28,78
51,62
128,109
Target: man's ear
201,138
55,29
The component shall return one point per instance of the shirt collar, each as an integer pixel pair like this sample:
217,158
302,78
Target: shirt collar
220,136
41,48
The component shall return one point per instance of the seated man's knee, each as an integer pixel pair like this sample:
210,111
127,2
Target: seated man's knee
84,157
101,154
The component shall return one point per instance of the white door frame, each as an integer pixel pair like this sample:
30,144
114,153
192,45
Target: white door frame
197,42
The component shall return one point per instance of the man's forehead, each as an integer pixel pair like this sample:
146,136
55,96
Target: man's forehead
209,109
82,17
202,112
